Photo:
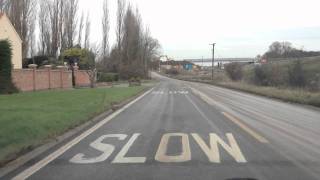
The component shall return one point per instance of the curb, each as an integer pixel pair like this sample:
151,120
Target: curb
58,141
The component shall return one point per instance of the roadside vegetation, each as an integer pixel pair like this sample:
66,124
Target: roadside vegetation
28,120
296,81
287,75
63,37
6,85
300,96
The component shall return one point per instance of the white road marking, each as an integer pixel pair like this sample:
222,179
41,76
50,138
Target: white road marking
184,92
157,92
36,167
107,150
246,128
212,151
120,158
200,111
170,92
210,101
185,155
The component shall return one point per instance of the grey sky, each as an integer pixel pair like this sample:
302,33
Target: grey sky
241,28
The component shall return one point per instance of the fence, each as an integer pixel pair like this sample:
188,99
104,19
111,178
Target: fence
33,79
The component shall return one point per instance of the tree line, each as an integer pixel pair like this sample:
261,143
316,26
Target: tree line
286,50
293,73
62,26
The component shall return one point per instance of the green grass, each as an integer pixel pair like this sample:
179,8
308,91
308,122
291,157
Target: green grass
290,95
287,94
30,119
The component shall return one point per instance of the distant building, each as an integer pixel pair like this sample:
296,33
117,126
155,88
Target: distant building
179,65
7,31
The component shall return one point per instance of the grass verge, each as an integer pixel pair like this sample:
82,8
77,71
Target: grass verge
289,95
28,120
299,96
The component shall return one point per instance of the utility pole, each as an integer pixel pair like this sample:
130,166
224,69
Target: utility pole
213,45
202,63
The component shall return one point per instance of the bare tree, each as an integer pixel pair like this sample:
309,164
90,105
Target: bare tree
32,38
151,50
145,44
131,62
70,21
92,71
80,29
119,30
3,5
134,47
87,33
32,23
22,16
105,29
56,20
61,17
44,28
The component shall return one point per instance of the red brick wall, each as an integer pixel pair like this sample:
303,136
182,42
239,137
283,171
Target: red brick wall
82,78
33,80
67,79
23,79
42,80
55,79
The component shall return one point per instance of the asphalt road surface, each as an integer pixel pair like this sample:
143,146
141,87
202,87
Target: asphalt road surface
182,130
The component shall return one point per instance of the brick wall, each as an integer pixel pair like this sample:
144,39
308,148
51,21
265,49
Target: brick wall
23,79
43,79
82,78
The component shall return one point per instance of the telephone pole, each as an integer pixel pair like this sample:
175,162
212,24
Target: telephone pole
213,45
202,62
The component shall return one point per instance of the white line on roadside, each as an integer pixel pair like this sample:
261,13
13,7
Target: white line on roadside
42,163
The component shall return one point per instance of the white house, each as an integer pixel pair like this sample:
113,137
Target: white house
7,31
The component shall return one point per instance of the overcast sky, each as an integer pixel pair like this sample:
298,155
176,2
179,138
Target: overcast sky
241,28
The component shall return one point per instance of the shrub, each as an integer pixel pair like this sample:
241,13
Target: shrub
296,75
172,71
270,75
6,85
38,60
261,74
107,77
135,81
234,71
85,57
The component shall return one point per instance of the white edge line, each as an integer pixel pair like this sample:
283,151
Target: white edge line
42,163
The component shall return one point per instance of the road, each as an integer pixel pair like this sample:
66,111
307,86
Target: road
182,130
